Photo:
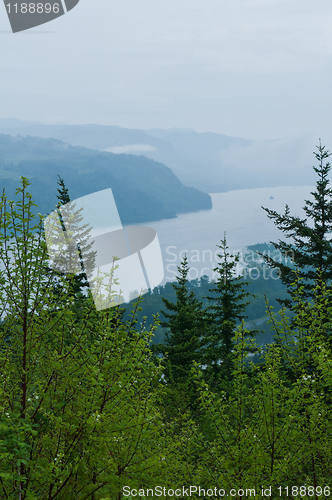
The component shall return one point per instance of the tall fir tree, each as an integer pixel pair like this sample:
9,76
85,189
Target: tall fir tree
63,193
186,325
310,249
228,305
74,217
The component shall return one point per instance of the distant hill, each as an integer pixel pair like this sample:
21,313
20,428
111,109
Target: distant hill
208,161
143,189
191,156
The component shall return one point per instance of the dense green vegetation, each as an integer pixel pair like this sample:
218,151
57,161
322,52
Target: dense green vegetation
143,189
91,410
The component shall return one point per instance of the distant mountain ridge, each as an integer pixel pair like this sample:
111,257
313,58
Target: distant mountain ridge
143,189
210,162
190,155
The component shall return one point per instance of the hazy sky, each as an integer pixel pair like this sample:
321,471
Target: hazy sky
251,68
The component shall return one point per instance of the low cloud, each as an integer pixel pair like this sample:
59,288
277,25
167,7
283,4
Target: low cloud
131,149
273,163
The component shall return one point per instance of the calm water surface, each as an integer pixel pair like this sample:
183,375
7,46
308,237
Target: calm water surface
239,213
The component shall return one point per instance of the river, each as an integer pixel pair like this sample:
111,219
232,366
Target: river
238,213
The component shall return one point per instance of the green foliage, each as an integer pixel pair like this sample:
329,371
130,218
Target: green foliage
271,429
86,409
78,393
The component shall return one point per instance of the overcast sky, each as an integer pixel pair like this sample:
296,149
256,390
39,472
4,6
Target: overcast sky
251,68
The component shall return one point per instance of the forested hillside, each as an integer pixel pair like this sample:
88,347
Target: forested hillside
143,189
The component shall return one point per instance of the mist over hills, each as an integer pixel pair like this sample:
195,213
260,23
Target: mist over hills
207,161
143,189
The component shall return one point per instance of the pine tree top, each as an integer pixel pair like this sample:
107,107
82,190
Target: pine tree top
63,195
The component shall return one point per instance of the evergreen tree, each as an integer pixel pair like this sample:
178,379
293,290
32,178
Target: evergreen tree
228,305
79,232
310,248
63,193
186,325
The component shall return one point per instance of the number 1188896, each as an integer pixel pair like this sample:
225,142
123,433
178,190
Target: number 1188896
33,8
301,491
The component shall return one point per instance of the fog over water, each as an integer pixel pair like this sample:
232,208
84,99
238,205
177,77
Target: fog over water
239,213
